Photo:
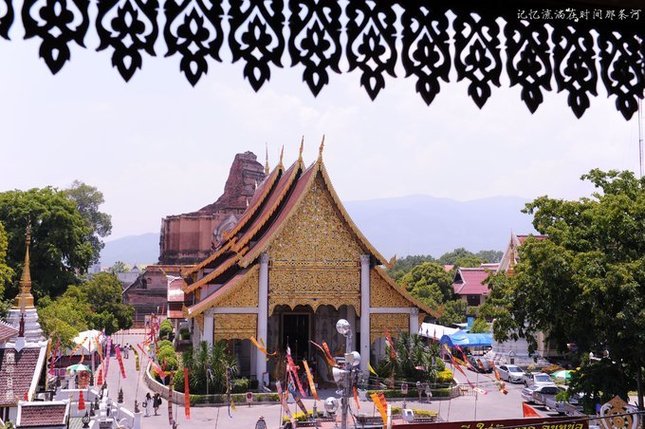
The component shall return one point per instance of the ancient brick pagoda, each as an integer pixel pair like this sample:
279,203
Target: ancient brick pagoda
188,238
293,264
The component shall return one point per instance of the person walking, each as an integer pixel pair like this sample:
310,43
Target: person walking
156,402
147,404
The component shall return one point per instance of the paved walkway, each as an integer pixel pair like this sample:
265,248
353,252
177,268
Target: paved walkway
492,405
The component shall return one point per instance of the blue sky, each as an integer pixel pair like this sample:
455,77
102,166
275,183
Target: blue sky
157,146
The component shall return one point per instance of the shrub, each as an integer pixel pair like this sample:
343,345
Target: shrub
164,344
165,330
240,385
444,376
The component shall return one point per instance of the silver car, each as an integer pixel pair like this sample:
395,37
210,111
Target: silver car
527,393
511,373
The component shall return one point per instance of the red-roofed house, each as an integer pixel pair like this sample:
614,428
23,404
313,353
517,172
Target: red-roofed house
469,285
43,415
19,375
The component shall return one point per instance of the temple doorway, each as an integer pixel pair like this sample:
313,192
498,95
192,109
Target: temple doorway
296,328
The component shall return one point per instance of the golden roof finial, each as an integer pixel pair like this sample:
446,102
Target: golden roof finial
266,159
320,149
25,299
302,146
281,155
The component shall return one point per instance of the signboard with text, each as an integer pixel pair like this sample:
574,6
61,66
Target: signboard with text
535,423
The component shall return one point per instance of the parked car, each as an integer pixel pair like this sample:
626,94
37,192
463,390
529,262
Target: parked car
479,364
511,373
527,393
538,379
545,395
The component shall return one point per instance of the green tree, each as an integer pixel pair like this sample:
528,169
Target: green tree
490,256
460,257
88,199
479,326
119,267
586,283
454,311
430,282
63,318
103,293
6,273
405,265
60,247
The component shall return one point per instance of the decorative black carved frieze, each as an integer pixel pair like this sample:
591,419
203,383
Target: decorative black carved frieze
541,45
371,38
127,26
575,70
315,39
256,37
57,23
6,18
528,63
622,69
194,29
425,52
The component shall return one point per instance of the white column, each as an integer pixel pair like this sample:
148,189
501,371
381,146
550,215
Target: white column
263,316
414,321
365,312
208,328
351,318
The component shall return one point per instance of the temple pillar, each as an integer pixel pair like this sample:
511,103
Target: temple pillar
365,312
414,321
351,318
208,328
263,316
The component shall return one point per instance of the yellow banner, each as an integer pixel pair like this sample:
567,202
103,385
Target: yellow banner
310,379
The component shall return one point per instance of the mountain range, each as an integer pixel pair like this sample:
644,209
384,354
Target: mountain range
411,225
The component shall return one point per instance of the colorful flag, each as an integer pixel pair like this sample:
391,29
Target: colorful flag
186,394
372,370
170,418
119,359
261,347
529,411
390,344
283,401
358,404
99,378
310,380
108,352
324,349
381,405
99,347
293,370
81,401
137,364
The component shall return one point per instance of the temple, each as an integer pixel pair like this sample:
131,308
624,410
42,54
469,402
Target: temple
190,237
292,265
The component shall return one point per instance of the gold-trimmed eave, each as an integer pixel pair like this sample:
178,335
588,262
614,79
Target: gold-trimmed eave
266,187
316,167
223,292
230,262
417,303
296,170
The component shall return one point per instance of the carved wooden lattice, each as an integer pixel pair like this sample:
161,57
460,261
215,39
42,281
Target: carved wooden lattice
535,45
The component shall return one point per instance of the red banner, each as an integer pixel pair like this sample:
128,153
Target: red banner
186,395
81,401
170,419
310,380
119,359
533,423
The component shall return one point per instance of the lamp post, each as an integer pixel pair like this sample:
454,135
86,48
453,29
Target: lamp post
345,375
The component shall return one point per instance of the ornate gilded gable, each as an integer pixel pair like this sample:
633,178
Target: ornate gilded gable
383,294
316,232
234,326
245,294
392,323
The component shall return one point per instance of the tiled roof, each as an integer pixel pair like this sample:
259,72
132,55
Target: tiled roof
175,292
42,414
17,370
522,238
7,331
469,281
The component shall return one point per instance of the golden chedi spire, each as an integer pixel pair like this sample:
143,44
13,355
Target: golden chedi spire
281,155
25,299
266,159
302,147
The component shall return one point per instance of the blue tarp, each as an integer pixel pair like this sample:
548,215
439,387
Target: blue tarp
466,339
